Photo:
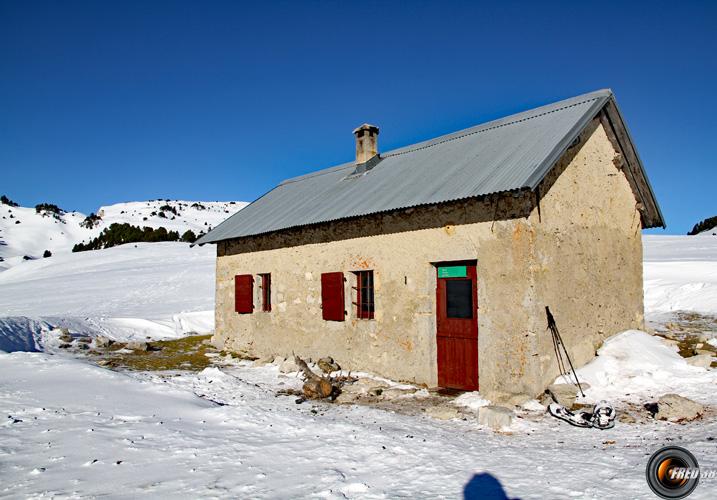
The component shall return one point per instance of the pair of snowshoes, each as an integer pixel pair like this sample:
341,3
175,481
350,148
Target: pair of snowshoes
602,416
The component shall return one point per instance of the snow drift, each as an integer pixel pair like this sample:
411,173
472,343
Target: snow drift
636,366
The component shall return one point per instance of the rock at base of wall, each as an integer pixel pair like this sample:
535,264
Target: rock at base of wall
565,394
346,398
701,360
509,399
394,393
495,417
442,412
675,408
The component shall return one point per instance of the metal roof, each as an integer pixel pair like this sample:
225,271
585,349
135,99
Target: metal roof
515,152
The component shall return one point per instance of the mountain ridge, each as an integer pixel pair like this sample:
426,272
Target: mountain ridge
29,233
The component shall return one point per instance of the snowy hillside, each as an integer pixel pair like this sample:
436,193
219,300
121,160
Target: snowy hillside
158,290
25,232
680,274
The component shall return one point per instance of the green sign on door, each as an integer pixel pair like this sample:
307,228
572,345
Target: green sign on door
452,271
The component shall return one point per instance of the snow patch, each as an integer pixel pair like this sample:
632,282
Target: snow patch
635,366
533,405
471,400
680,274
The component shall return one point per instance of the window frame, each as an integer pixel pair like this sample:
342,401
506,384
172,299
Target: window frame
265,291
365,280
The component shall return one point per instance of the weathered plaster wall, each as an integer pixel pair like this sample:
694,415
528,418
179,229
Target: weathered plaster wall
400,248
581,256
588,254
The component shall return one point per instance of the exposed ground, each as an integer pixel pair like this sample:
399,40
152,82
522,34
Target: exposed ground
691,332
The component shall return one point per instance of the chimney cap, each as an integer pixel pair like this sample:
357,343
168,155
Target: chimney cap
368,127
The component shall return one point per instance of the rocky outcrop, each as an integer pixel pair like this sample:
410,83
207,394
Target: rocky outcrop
103,342
138,346
675,408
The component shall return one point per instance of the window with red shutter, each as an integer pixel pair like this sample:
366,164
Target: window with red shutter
244,293
265,292
332,296
364,294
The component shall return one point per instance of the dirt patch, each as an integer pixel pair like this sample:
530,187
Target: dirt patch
690,331
405,405
193,353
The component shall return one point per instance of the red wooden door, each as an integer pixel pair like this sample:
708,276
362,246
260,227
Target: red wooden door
457,329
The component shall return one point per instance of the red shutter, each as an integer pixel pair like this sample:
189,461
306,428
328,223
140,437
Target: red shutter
332,296
244,293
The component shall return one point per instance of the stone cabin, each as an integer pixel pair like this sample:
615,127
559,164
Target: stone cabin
434,263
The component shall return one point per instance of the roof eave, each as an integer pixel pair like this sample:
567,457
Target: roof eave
648,199
658,219
557,153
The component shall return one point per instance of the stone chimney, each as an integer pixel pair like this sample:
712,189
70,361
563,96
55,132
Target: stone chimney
366,142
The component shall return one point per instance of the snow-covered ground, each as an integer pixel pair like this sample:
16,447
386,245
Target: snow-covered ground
70,429
158,290
135,280
680,274
26,233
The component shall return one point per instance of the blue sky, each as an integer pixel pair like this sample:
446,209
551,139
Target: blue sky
102,102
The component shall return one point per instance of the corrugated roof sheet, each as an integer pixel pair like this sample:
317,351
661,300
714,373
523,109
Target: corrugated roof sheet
511,153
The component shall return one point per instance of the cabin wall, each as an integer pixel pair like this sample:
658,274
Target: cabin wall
587,254
401,341
580,254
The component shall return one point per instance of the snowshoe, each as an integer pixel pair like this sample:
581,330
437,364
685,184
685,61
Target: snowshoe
603,416
578,419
